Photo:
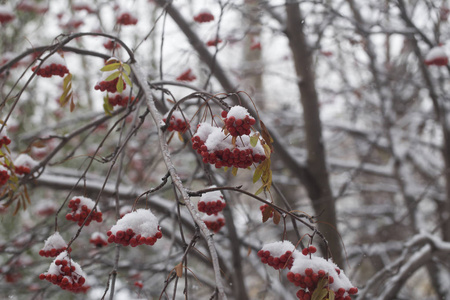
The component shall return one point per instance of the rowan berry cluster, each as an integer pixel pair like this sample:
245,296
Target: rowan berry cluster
120,100
218,149
126,19
204,16
110,45
135,228
6,14
81,208
23,164
213,42
311,249
238,121
109,86
214,222
98,239
21,170
437,57
211,203
4,140
278,255
263,208
66,273
186,76
4,175
27,6
50,70
54,246
177,122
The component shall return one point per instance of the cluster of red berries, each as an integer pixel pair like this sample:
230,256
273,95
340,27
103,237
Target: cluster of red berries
238,127
309,250
211,207
204,16
255,46
110,45
213,42
50,70
139,284
53,252
79,214
226,158
126,19
6,17
82,6
109,86
27,6
98,240
4,176
215,223
4,141
186,76
64,274
129,237
120,100
22,170
278,263
308,282
263,208
436,56
177,122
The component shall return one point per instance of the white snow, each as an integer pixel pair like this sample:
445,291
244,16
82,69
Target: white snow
85,201
212,196
435,53
54,269
142,221
55,241
125,210
279,248
213,218
203,131
5,10
238,112
25,160
316,263
45,204
54,59
217,140
96,235
177,115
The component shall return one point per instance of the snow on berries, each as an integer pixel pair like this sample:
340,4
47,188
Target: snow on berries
211,203
4,175
218,149
126,18
46,208
6,14
436,57
23,164
81,208
136,228
177,122
214,222
204,16
307,271
98,239
66,273
238,121
52,66
278,255
54,246
186,76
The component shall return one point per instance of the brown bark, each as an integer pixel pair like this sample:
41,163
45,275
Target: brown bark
319,189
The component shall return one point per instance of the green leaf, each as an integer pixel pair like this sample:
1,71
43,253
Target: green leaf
225,169
254,140
127,79
331,295
258,172
113,76
107,107
119,85
110,67
127,68
259,190
67,80
319,294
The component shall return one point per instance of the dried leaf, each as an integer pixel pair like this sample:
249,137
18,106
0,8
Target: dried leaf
266,135
17,208
72,104
266,214
276,217
180,137
249,251
233,141
110,67
179,269
113,76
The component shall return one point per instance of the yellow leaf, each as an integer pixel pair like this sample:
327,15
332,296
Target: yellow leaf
127,68
258,172
127,79
110,67
179,269
259,190
234,171
119,85
266,136
254,140
180,137
67,80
